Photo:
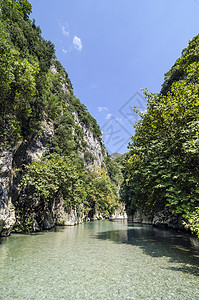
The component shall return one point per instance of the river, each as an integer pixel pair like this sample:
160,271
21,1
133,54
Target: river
100,260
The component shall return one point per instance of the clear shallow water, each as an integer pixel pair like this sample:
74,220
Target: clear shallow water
100,260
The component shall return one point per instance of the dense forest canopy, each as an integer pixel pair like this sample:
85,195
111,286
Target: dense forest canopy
162,167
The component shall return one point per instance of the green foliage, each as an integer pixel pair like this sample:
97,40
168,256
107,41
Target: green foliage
18,91
88,157
114,169
192,221
29,90
55,177
52,178
19,74
162,166
23,6
181,68
102,194
85,117
35,90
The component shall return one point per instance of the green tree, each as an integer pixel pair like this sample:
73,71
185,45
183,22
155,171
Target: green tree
161,169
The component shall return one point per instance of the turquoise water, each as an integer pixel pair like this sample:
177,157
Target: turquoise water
100,260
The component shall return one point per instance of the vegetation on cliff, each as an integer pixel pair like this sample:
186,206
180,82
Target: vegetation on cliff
37,104
162,167
30,90
35,89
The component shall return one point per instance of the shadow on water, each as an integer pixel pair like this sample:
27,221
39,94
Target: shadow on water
179,247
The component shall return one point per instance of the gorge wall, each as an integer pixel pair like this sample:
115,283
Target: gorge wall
54,168
162,218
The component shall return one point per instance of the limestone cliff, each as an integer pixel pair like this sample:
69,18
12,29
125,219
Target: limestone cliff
95,152
7,213
162,218
43,126
11,165
12,162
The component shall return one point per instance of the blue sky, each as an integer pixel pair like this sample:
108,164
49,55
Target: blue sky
113,48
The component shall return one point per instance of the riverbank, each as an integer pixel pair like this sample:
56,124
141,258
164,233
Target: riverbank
62,216
162,218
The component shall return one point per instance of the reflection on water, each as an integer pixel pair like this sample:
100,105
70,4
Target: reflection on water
178,247
100,260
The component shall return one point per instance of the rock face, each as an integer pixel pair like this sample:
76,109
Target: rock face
41,120
11,164
7,213
94,147
63,216
120,213
162,219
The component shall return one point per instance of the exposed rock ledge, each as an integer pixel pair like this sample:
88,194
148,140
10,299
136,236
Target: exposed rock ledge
162,219
60,215
7,213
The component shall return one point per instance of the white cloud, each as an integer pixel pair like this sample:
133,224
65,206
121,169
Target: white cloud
102,108
65,31
108,116
64,50
77,43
